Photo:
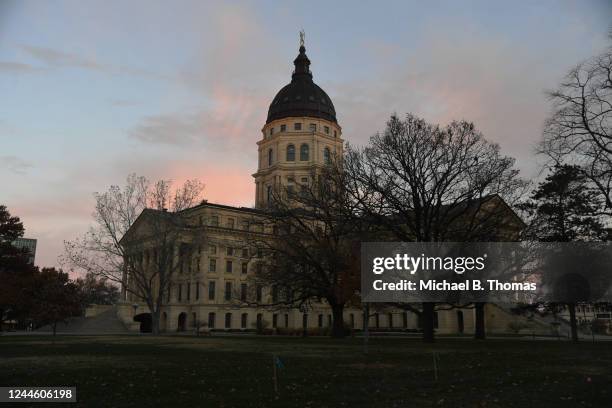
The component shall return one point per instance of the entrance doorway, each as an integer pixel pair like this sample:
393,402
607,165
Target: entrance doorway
460,321
145,322
182,322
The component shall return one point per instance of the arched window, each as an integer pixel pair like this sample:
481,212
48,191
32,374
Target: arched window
270,157
326,155
291,153
304,150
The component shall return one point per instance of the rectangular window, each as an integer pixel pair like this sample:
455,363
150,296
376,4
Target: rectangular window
243,321
211,320
259,291
212,265
197,290
304,180
214,220
212,249
245,268
211,290
335,134
312,127
326,129
297,126
228,320
169,292
245,252
274,321
230,223
180,292
288,295
188,286
286,320
230,251
243,292
228,291
320,320
274,294
271,131
283,128
228,266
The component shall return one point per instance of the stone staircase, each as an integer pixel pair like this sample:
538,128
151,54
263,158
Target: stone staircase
105,322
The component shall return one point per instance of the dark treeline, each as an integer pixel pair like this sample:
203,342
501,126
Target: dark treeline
30,296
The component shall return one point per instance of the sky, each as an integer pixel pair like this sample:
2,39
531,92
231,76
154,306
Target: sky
93,91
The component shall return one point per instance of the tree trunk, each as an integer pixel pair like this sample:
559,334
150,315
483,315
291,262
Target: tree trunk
573,323
155,322
428,322
304,326
124,276
479,321
366,327
338,321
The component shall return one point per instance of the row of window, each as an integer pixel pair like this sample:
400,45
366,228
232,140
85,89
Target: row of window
275,320
592,309
212,317
304,154
229,251
229,266
228,294
229,222
297,126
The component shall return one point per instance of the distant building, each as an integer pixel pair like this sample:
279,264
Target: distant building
29,244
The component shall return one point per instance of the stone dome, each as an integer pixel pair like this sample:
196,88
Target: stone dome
301,97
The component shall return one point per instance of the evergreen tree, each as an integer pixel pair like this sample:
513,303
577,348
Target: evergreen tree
564,208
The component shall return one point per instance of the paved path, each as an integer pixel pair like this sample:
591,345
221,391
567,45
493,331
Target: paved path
106,322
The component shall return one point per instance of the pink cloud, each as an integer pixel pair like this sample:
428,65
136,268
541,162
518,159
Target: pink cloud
224,183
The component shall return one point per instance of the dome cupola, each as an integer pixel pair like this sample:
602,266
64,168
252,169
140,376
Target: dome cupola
301,97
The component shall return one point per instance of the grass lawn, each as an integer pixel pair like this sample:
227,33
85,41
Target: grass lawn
169,371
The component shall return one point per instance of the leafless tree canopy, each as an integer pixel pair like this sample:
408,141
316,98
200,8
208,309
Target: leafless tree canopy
427,183
312,251
579,131
421,182
149,262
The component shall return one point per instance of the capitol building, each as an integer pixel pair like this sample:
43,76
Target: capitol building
299,138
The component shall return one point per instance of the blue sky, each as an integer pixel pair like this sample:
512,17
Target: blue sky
95,90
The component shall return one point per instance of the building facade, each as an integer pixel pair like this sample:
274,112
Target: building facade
28,244
301,135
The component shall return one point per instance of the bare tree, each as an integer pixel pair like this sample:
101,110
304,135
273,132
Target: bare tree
579,131
139,240
311,251
420,182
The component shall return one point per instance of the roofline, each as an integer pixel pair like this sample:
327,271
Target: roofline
224,206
